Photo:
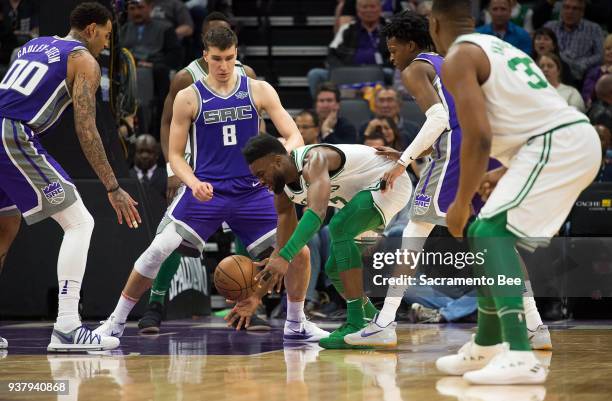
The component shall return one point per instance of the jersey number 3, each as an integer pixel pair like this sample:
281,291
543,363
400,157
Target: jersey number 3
229,135
24,76
533,79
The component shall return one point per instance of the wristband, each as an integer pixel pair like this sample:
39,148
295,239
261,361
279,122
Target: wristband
169,170
110,191
307,227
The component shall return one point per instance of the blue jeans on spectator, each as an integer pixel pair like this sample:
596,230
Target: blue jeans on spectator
452,309
319,251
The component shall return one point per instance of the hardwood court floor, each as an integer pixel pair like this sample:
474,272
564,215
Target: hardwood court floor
203,361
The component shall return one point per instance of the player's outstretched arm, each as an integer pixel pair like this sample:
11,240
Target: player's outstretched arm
184,111
266,99
464,70
84,72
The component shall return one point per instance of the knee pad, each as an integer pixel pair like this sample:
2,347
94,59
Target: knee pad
75,217
163,245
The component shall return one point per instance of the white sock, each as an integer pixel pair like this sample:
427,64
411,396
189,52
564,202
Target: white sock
295,311
389,309
123,308
532,316
68,306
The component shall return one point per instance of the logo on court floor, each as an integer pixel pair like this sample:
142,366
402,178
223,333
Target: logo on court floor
242,94
54,193
421,203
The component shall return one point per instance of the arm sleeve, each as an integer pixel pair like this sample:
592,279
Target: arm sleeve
435,124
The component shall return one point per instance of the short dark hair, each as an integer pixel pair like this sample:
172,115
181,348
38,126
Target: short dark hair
452,8
262,145
408,26
88,13
312,114
220,37
328,87
544,31
555,58
216,16
375,135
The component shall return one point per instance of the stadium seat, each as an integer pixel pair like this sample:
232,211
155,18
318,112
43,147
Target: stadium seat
411,112
355,75
357,111
145,81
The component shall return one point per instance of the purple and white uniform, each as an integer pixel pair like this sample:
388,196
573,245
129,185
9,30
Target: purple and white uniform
439,181
221,129
33,95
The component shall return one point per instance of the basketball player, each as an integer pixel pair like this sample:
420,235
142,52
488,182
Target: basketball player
507,110
342,176
48,75
408,40
195,71
223,112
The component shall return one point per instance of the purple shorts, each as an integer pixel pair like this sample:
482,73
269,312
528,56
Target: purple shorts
246,206
30,179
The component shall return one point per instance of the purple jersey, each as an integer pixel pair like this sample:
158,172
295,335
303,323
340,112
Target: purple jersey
34,89
222,128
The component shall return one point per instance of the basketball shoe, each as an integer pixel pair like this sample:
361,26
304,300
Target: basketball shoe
110,328
3,343
540,338
80,339
509,367
374,335
303,331
336,339
152,318
470,356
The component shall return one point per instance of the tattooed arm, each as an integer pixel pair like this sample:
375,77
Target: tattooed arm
84,73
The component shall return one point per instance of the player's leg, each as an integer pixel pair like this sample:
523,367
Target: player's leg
10,220
537,331
358,216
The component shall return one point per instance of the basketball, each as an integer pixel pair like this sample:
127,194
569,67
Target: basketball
235,277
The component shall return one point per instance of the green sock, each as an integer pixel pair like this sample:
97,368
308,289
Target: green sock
512,317
240,248
369,310
164,277
354,311
488,331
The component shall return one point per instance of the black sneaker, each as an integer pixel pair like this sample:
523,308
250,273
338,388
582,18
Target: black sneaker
151,320
257,324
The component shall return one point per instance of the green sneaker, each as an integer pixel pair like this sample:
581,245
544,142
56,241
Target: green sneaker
336,338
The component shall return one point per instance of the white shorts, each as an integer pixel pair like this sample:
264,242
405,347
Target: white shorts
544,180
392,202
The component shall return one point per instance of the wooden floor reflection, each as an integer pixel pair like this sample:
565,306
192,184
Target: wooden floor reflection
581,369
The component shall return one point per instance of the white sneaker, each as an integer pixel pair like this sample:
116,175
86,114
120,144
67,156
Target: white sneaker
470,356
509,367
303,331
374,335
110,328
3,343
80,339
540,338
505,393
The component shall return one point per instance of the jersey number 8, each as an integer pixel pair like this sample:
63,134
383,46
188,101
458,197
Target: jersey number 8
229,135
24,76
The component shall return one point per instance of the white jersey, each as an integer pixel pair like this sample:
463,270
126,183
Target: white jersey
520,102
361,170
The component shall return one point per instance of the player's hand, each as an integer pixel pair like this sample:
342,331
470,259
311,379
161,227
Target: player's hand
274,272
391,175
202,191
242,312
174,184
489,182
125,207
388,152
456,218
329,123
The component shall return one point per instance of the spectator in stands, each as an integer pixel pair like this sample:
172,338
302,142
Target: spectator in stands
145,165
18,24
545,41
596,72
605,174
580,40
550,64
600,112
388,128
176,13
334,129
521,15
387,103
356,43
375,139
431,305
503,28
307,122
389,7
